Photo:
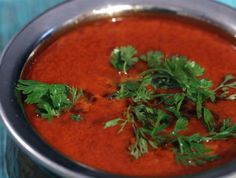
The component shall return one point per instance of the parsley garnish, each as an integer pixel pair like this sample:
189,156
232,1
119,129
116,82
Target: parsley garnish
123,58
154,108
223,88
76,117
112,123
50,99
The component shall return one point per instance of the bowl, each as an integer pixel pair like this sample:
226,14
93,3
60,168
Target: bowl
46,25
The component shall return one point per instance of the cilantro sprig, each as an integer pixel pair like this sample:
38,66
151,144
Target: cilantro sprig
228,83
50,99
154,107
123,58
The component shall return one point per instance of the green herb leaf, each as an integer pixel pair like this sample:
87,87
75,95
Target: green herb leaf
135,90
112,123
50,99
123,58
153,58
127,89
143,94
227,131
181,124
76,94
76,117
223,88
194,69
209,119
192,152
140,147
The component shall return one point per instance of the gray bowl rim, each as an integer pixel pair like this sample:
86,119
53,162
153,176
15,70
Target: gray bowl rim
43,27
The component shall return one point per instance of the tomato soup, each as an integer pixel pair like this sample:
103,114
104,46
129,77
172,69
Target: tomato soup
80,57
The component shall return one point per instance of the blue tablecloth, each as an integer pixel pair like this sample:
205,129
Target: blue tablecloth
13,15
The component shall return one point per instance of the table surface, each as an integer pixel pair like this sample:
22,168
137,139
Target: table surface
14,14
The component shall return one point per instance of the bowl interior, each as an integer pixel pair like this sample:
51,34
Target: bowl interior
48,26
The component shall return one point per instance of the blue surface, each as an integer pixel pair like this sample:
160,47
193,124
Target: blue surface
231,3
14,14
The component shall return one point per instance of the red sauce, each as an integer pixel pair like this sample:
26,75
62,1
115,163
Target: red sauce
81,57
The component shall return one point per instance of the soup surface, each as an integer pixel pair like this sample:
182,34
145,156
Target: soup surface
81,58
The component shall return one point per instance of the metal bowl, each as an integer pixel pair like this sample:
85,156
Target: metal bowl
21,46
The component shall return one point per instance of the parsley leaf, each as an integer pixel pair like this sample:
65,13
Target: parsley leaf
227,130
140,147
112,123
191,152
123,58
50,99
153,58
223,88
76,117
127,89
181,124
209,119
136,90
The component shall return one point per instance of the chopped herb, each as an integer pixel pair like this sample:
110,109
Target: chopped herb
199,102
227,130
76,94
140,147
191,152
123,58
153,58
50,99
127,89
153,107
134,89
76,117
112,123
181,124
208,119
223,88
